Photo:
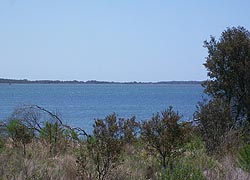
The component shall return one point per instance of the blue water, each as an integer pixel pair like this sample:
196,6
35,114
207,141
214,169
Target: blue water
79,105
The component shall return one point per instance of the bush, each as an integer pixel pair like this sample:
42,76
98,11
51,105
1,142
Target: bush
244,157
130,129
52,133
182,171
104,147
19,133
164,135
214,122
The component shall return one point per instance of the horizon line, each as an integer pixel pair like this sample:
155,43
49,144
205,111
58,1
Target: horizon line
7,80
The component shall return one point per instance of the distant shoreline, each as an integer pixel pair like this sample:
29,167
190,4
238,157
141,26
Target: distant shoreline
26,81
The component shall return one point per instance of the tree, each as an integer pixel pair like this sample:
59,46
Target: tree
165,135
228,64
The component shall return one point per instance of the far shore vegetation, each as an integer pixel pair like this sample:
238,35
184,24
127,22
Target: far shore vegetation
36,144
26,81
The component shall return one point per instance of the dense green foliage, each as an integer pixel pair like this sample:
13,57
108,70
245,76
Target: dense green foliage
226,116
182,171
228,65
244,157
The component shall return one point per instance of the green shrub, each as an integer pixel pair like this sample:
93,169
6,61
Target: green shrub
72,134
19,133
164,135
195,156
244,157
214,122
182,171
195,144
52,133
103,148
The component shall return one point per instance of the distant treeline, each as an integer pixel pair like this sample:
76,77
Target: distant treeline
26,81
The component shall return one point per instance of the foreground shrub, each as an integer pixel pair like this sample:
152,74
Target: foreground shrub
102,148
214,122
244,157
52,134
19,133
182,171
164,135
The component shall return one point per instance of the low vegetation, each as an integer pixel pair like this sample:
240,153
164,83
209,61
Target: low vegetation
36,144
159,148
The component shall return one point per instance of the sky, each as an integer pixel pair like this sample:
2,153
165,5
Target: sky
112,40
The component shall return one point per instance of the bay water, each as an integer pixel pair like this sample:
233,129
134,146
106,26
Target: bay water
79,104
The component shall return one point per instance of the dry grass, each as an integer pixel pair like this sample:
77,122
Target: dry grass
37,164
226,171
136,163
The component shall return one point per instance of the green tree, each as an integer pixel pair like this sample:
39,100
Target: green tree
165,135
228,64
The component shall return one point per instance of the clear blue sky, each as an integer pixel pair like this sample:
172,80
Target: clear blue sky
113,40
